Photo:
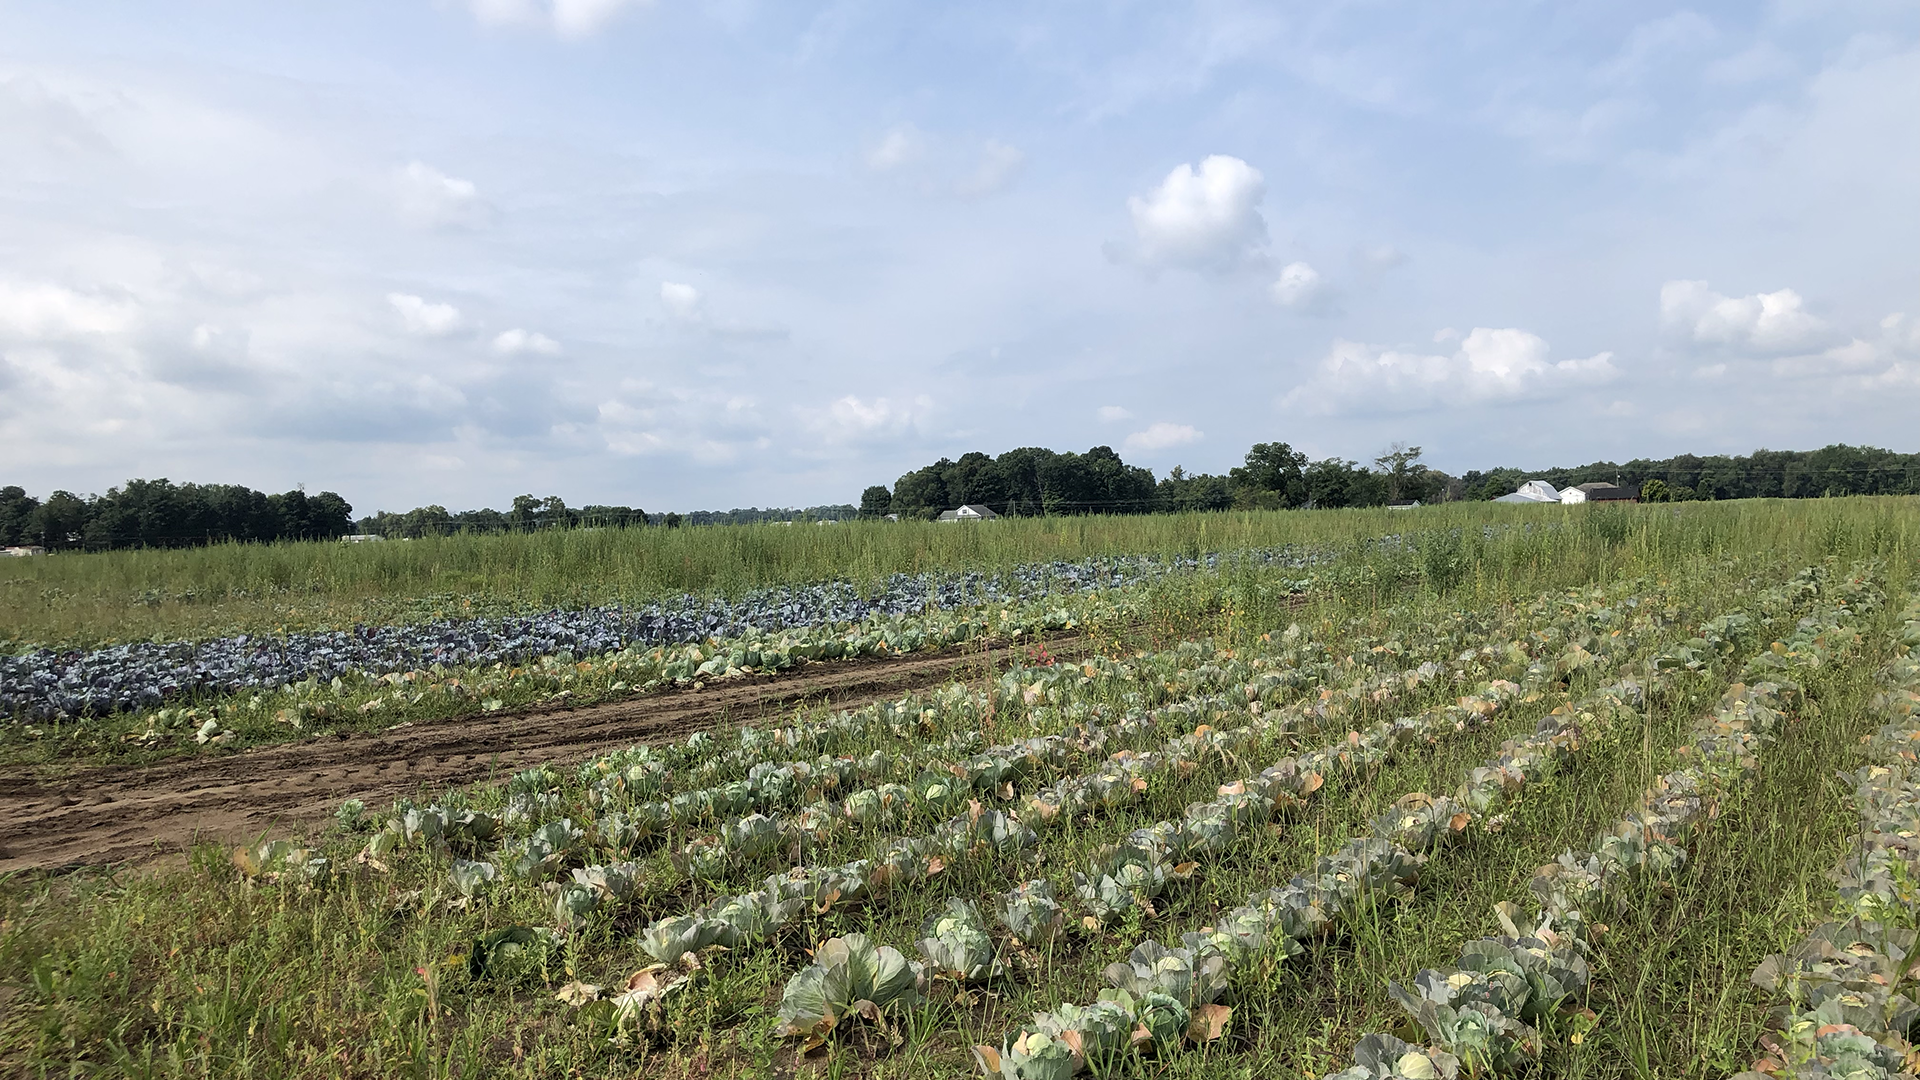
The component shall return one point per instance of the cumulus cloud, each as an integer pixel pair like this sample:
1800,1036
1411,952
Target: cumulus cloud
1886,356
567,18
430,199
1490,366
687,306
682,300
999,163
1163,436
1112,413
901,145
1301,288
855,419
944,166
39,311
1207,217
517,341
424,319
1774,322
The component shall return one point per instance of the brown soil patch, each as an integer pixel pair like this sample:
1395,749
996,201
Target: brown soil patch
117,815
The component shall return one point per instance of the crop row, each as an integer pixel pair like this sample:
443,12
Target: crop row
1484,1015
688,637
618,785
1130,874
1848,990
1166,994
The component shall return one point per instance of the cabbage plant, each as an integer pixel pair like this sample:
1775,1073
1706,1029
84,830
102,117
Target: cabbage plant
751,837
1191,975
1385,1057
1031,913
956,945
472,879
849,977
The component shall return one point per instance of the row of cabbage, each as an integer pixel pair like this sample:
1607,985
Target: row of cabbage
754,917
684,638
959,785
1167,995
619,792
1159,994
1848,990
1483,1015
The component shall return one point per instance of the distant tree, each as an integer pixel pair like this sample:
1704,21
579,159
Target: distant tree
1334,483
1273,477
16,514
1401,470
1655,491
672,521
922,493
876,502
1181,493
59,523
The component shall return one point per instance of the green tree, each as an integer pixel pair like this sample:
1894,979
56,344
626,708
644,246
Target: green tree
1400,467
1273,476
876,502
16,512
922,493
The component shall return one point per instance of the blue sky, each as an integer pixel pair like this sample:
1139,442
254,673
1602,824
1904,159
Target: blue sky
687,254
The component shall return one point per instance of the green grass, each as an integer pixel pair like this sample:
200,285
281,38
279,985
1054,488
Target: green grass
185,969
85,600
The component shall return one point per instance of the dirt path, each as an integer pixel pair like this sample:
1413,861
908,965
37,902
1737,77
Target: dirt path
115,815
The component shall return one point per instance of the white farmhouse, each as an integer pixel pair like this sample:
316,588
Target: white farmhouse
969,512
1533,491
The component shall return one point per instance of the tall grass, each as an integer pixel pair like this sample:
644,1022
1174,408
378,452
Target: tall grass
78,600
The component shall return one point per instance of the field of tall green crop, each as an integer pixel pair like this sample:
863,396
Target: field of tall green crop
92,599
1487,791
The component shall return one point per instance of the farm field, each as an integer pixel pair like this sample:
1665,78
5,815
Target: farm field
1477,791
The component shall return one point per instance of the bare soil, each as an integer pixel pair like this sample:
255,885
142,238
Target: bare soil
121,815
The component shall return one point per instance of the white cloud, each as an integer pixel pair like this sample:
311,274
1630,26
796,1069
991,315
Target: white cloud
1490,366
1112,413
901,145
516,341
1772,322
1205,217
999,164
48,312
854,419
682,300
430,199
1300,288
567,18
424,319
1163,436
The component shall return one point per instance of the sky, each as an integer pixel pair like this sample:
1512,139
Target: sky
684,254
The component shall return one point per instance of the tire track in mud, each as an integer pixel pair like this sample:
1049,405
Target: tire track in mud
107,816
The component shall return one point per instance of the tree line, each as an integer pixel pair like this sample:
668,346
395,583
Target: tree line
1784,474
1033,481
1029,481
1273,475
530,513
527,513
162,514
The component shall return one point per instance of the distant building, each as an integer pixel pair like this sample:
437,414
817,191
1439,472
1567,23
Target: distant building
24,551
361,538
1600,492
1533,491
1405,504
969,512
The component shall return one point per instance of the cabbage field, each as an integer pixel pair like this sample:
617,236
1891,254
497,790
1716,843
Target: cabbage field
1619,793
